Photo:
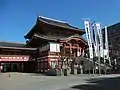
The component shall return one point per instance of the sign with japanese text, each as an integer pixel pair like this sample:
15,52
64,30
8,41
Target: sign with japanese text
14,58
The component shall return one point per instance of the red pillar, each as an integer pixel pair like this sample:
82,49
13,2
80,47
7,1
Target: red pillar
80,50
70,49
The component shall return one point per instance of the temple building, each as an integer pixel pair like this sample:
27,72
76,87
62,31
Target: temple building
15,57
49,44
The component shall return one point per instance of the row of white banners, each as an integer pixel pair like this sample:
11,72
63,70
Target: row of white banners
97,39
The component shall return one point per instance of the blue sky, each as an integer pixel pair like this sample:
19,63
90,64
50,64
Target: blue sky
18,16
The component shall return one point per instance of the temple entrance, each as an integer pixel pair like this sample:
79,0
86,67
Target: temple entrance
11,66
74,52
18,66
53,64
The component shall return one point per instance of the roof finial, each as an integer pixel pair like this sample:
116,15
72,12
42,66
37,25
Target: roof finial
52,19
38,15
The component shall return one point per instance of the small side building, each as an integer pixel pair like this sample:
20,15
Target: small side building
15,57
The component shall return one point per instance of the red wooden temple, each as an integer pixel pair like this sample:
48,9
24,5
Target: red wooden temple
49,43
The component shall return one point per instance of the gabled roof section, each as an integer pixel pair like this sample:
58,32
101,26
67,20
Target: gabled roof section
76,36
11,44
59,23
113,26
45,38
53,22
20,48
14,45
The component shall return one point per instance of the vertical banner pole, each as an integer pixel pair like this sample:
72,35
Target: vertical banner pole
88,35
100,45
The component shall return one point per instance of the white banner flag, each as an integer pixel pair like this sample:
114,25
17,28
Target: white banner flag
88,35
100,38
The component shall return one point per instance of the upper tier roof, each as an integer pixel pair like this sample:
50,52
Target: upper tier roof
56,23
113,26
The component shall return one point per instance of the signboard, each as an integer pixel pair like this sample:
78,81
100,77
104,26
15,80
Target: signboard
100,38
95,39
54,47
106,43
14,58
53,59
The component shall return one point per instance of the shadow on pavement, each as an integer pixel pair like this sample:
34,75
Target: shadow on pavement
112,83
31,73
41,74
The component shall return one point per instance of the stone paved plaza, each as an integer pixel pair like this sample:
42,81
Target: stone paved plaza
23,81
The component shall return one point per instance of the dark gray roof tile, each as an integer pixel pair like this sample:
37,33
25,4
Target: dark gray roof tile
58,23
11,44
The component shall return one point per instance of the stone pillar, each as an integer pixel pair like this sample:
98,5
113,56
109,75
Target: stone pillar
68,71
81,69
83,52
75,69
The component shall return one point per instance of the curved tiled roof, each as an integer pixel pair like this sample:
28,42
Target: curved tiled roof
55,23
14,45
11,44
59,23
56,39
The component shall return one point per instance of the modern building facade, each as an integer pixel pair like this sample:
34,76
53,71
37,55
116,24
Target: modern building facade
114,42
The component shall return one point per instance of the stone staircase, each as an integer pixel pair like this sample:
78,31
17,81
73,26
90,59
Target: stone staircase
88,63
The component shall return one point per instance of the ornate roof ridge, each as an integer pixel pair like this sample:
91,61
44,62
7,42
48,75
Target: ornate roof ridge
52,19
